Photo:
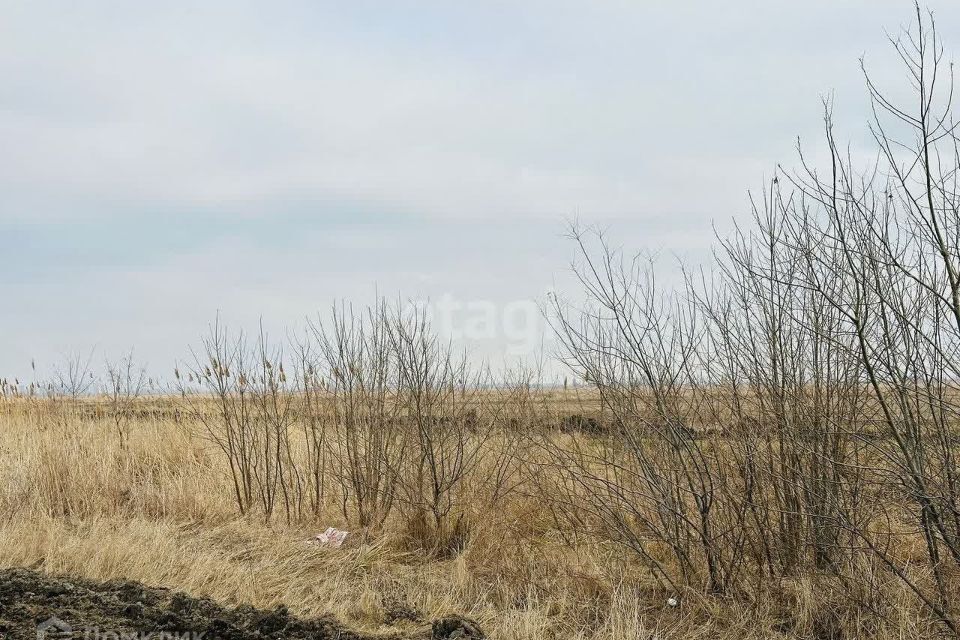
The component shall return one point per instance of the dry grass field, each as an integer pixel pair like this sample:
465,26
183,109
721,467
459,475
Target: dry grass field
156,506
158,509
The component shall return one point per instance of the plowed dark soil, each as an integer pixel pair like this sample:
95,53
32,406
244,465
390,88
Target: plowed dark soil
129,610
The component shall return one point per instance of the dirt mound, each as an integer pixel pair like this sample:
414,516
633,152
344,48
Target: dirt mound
33,605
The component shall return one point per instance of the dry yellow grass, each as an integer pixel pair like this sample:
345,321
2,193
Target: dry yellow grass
75,500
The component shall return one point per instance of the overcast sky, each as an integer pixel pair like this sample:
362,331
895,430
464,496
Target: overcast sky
163,161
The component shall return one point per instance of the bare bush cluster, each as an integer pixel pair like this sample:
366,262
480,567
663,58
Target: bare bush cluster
373,411
822,356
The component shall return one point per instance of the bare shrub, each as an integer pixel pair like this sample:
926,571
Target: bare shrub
69,385
654,481
278,476
126,382
366,444
438,398
216,390
310,389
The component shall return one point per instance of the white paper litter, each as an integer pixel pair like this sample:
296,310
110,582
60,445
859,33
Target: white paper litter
332,537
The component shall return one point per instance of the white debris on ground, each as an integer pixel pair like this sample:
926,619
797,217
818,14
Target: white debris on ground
672,602
332,538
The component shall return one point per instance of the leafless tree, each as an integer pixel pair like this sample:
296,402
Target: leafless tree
126,382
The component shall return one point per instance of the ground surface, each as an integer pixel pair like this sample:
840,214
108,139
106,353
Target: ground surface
29,599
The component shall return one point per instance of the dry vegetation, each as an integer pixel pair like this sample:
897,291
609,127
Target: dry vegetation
157,505
768,451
